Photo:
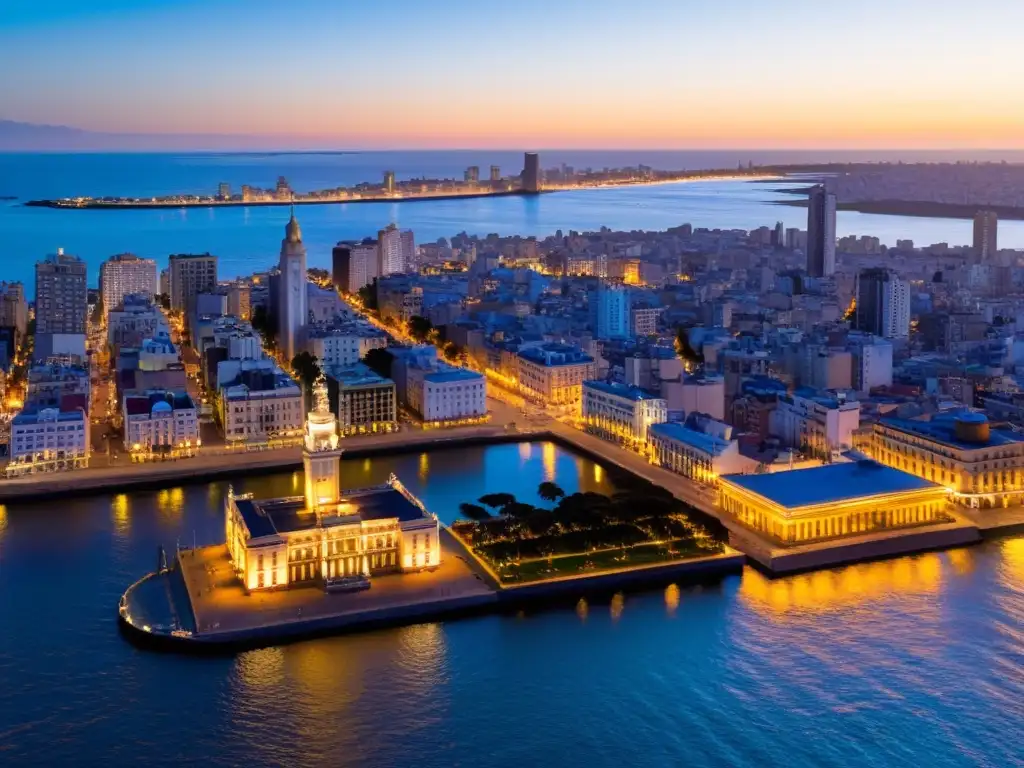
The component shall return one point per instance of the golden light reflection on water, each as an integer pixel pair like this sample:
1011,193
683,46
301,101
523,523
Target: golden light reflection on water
549,454
582,609
617,606
824,591
598,474
1012,570
170,503
525,450
962,560
672,596
119,514
424,467
3,519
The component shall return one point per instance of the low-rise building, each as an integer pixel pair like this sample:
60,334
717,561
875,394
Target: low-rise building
55,385
364,401
261,405
48,440
816,424
831,501
554,373
160,424
701,456
982,466
343,344
621,413
446,393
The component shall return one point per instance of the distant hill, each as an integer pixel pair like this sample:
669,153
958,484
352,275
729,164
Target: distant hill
34,137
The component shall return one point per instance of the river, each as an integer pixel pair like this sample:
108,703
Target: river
918,660
248,239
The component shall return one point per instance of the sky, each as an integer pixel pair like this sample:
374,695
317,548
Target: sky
396,74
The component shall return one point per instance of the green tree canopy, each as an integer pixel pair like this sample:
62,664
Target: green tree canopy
420,328
379,361
307,368
497,500
550,491
473,511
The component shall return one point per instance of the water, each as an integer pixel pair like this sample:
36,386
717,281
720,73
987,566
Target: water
906,662
246,239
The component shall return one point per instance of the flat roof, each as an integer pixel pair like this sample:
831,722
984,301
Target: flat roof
942,429
703,442
829,483
266,517
621,390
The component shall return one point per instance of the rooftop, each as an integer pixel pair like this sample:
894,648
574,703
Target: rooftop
829,484
267,517
358,375
942,429
708,444
621,390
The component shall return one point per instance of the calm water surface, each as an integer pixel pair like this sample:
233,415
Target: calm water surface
246,239
916,661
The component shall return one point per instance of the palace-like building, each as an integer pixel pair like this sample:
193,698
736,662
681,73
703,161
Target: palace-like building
832,501
982,465
328,537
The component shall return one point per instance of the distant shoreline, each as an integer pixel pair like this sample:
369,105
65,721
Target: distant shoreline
920,209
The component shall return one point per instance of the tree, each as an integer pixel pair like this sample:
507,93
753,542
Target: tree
419,328
452,351
473,511
307,368
264,323
497,500
379,361
684,349
319,276
368,296
550,491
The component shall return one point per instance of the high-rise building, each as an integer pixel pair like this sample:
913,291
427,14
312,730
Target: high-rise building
531,172
389,182
61,294
190,275
292,311
354,264
409,255
393,257
609,310
124,275
472,174
14,310
495,173
883,304
986,224
224,191
283,191
821,232
240,299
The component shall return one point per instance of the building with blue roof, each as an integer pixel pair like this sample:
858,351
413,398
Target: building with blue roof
702,455
981,464
621,413
832,501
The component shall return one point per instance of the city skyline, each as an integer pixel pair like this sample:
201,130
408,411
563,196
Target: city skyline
538,76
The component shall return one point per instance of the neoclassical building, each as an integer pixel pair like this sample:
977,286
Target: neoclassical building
330,538
982,465
831,501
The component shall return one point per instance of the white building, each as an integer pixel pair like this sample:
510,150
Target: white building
158,353
396,249
444,393
702,456
160,424
817,425
554,373
48,440
126,275
343,344
871,361
134,319
883,304
260,405
293,314
619,412
703,394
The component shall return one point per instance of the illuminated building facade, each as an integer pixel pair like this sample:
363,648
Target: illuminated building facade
328,538
980,465
698,455
126,275
160,425
48,440
831,501
260,405
364,401
292,297
621,413
554,373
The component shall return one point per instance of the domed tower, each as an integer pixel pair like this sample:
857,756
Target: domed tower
292,304
321,456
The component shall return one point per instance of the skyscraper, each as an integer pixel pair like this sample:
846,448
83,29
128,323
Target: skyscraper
354,264
392,255
123,275
409,255
472,174
61,294
293,315
389,182
821,232
531,172
986,224
883,304
190,275
609,311
495,173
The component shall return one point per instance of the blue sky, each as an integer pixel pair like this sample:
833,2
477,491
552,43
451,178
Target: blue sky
398,73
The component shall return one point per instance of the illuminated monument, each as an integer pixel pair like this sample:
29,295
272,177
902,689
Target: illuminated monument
329,538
